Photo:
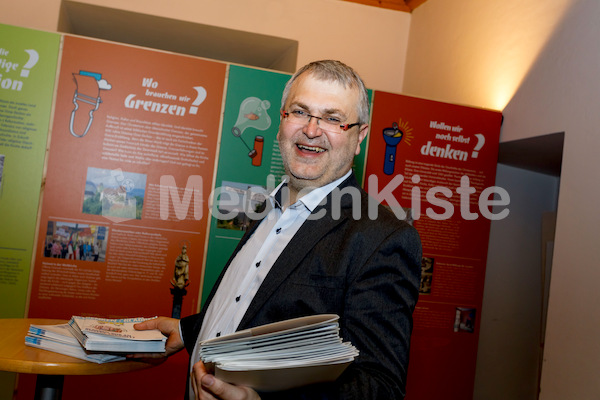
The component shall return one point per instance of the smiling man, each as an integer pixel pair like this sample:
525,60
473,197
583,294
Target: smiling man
316,140
304,259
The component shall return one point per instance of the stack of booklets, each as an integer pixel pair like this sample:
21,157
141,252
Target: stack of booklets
96,339
281,355
116,335
58,338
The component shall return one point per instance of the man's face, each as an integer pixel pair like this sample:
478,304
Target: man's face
311,156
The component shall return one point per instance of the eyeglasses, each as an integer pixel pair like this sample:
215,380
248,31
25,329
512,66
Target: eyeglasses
327,123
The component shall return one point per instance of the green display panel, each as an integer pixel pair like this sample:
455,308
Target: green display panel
248,154
28,61
250,164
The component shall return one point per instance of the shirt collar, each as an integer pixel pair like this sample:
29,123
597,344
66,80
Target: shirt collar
310,200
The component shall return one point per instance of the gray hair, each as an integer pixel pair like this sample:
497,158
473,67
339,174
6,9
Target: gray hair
334,71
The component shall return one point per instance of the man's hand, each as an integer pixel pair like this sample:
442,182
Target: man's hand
207,387
170,328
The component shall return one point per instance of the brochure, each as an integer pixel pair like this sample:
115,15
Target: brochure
116,335
282,355
58,338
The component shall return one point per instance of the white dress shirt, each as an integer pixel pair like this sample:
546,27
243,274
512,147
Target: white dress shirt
254,261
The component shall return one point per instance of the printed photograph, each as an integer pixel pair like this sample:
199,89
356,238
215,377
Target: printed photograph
75,241
236,201
114,193
426,275
464,320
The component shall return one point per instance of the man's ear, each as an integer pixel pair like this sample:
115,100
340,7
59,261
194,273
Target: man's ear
362,134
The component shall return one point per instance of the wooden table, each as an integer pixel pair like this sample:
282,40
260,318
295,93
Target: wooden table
50,367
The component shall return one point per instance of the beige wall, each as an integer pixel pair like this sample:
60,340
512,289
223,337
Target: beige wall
562,92
477,52
543,57
370,39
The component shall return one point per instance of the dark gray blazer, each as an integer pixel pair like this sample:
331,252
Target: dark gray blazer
366,271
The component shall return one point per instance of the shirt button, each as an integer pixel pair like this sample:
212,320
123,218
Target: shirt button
218,334
238,298
258,264
278,231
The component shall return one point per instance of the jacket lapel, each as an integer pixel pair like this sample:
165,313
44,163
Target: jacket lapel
309,234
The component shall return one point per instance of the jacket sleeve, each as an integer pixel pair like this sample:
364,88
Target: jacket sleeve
190,328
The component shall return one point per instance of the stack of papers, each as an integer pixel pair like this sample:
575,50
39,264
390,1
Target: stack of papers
96,340
116,335
281,355
58,338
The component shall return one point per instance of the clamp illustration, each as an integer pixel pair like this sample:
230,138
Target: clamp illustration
90,83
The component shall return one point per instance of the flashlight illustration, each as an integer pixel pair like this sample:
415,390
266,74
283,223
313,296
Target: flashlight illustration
392,137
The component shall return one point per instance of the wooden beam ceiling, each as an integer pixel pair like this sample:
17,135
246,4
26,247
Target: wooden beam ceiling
399,5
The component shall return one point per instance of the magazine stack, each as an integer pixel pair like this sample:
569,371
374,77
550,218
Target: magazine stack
281,355
95,339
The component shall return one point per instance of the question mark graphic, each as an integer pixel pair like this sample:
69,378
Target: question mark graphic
199,99
33,59
480,142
